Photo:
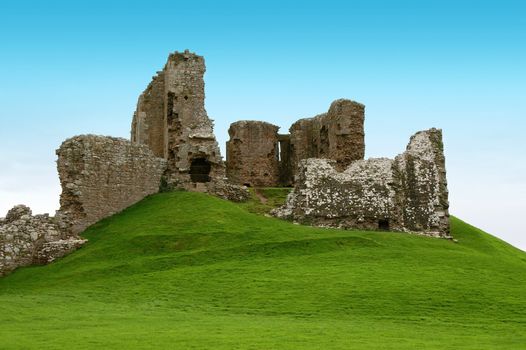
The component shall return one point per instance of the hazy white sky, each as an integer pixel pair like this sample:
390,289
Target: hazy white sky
70,68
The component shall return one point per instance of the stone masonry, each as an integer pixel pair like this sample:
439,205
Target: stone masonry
173,146
101,176
28,240
171,119
408,193
337,135
252,154
258,156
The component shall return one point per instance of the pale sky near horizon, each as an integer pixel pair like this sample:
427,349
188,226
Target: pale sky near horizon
69,68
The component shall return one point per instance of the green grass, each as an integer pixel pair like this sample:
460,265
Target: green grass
263,200
188,271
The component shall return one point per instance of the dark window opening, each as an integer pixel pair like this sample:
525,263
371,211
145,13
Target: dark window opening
200,170
324,141
186,97
383,225
170,107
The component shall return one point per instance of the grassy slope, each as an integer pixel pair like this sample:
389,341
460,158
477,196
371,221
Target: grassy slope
188,271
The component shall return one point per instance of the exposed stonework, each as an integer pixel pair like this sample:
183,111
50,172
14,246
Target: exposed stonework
226,190
252,153
173,145
337,134
422,171
101,176
255,148
171,119
408,193
148,125
27,240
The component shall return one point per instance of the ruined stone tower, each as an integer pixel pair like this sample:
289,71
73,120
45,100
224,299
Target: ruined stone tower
258,156
171,119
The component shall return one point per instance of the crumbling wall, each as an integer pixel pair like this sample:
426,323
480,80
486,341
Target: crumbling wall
101,176
27,240
258,156
252,153
337,135
148,126
171,112
305,140
408,193
423,183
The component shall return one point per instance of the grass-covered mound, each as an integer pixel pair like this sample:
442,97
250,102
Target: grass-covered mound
189,271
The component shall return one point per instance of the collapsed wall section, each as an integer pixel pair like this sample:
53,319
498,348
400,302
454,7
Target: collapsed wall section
361,197
27,240
101,176
408,193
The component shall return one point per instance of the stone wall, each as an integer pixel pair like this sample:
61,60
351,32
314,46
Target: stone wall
422,177
408,193
337,135
252,153
101,176
148,125
171,119
27,240
258,156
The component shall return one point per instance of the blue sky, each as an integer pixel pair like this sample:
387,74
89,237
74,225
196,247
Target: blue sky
74,67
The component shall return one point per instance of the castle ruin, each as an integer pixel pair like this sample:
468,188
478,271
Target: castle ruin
172,121
173,146
323,158
408,193
257,155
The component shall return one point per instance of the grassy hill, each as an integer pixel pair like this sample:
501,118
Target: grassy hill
188,271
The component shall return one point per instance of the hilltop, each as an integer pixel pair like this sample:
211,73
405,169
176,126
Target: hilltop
191,271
